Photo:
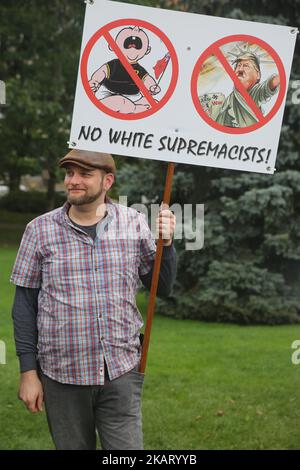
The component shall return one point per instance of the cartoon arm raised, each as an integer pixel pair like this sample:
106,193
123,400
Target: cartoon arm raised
274,82
98,77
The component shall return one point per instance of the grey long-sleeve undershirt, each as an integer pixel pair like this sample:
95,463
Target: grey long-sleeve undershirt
25,306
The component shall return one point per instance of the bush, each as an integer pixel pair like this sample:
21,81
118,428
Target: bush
234,292
252,311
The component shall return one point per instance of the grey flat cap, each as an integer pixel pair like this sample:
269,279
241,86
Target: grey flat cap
88,160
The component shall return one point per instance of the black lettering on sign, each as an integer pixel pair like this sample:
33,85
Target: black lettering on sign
182,145
162,143
201,148
192,144
232,152
89,133
211,148
133,139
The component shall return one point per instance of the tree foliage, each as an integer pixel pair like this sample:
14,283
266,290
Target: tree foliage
39,58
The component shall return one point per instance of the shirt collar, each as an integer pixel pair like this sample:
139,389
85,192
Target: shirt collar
110,208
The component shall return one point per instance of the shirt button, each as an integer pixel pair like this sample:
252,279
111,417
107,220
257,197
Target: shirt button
102,338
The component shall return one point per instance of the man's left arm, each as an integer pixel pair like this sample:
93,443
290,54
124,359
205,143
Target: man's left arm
167,273
165,227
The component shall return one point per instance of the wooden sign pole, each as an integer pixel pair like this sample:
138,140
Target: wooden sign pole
155,276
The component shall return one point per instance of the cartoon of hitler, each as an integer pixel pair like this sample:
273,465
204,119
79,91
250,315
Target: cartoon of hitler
235,112
117,90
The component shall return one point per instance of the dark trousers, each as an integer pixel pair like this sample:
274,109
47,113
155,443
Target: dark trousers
76,412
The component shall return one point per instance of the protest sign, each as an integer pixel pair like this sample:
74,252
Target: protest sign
181,87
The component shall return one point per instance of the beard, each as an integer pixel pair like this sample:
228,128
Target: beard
85,198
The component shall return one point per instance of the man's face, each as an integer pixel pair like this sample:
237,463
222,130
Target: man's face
247,73
83,186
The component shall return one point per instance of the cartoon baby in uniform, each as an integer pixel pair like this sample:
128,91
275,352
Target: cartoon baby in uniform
117,90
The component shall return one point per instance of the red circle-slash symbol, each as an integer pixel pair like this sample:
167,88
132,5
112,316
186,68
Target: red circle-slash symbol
214,50
105,33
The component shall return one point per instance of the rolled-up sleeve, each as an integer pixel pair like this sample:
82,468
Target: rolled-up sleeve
27,268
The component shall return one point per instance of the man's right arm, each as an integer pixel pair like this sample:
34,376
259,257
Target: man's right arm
24,314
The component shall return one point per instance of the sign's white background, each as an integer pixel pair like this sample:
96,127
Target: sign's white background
190,34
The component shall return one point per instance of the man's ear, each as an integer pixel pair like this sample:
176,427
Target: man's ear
109,181
148,50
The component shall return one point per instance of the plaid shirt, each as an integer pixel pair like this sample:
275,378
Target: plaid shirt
86,305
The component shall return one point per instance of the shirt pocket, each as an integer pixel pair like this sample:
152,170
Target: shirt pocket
120,261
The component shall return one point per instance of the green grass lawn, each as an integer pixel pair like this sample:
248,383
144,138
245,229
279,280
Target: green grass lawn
207,386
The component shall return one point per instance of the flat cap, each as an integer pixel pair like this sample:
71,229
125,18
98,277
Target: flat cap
88,160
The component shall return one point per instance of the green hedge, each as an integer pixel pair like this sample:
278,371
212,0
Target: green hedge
29,201
233,292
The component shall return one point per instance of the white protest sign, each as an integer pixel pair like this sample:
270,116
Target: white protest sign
181,87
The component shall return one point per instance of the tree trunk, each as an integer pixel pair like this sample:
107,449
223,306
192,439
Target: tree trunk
14,181
51,190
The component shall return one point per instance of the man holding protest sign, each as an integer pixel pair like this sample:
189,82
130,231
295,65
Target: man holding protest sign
77,327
